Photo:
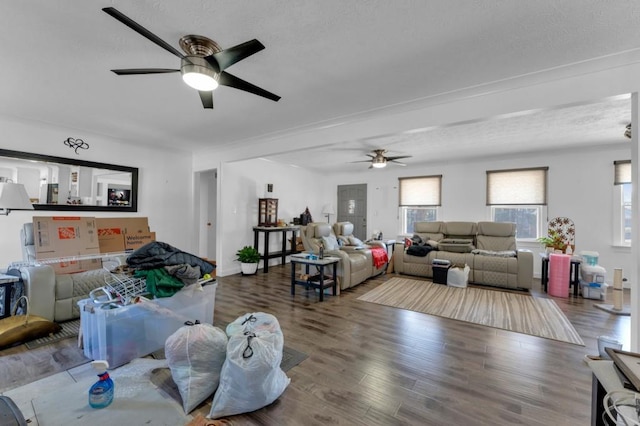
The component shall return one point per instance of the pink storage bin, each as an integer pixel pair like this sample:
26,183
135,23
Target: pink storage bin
559,272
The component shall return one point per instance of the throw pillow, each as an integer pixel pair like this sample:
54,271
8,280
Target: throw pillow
330,243
416,239
353,241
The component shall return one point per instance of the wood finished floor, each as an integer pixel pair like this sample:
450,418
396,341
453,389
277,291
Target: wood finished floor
375,365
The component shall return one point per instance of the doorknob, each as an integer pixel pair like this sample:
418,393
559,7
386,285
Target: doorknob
208,223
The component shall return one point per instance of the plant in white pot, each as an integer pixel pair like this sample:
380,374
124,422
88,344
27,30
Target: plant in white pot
248,258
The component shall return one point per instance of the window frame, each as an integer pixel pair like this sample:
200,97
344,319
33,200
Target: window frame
431,201
621,182
537,199
541,218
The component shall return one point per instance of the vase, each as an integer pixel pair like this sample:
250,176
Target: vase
248,268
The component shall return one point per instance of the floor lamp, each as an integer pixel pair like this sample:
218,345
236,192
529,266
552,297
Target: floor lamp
328,210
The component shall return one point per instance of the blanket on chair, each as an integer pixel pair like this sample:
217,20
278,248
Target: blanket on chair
379,255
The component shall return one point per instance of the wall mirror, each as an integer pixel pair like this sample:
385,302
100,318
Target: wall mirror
56,183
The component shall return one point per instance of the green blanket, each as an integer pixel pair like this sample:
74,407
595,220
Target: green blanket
159,282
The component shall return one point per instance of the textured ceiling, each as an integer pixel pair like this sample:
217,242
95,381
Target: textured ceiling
329,60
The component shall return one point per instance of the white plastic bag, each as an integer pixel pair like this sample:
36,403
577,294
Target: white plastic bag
458,277
195,354
251,376
253,323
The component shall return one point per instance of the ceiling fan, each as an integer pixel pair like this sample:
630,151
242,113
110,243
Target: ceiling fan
379,160
203,64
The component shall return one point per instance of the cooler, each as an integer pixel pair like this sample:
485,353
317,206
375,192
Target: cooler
119,334
440,270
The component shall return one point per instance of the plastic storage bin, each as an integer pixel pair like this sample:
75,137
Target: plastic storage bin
593,290
122,333
592,274
440,270
590,257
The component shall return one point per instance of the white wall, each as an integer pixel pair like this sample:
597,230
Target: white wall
242,183
580,187
165,178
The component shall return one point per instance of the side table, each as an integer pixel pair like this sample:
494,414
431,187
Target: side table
318,281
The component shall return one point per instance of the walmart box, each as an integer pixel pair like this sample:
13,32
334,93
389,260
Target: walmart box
123,333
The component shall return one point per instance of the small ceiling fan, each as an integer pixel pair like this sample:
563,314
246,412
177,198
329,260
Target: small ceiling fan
379,160
203,64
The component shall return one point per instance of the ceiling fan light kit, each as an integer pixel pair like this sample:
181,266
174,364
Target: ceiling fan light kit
198,75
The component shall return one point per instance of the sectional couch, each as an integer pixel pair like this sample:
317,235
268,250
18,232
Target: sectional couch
488,248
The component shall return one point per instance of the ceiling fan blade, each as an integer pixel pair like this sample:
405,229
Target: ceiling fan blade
363,161
134,71
396,162
207,99
229,80
398,158
142,31
234,54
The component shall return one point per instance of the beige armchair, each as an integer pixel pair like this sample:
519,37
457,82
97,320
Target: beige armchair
356,264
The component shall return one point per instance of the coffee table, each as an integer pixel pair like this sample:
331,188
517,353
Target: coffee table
317,280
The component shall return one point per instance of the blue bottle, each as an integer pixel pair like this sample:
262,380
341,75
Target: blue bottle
101,393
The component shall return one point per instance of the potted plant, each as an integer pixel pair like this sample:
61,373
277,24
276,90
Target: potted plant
554,240
248,258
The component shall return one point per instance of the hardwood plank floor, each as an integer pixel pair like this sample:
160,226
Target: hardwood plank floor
373,365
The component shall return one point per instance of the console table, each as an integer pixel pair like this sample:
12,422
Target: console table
574,278
267,231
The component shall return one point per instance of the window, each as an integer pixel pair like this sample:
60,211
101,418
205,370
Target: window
622,207
419,200
519,196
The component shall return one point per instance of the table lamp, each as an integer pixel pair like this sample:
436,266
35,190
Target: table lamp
328,210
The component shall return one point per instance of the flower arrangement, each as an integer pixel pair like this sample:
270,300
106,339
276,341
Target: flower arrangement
555,240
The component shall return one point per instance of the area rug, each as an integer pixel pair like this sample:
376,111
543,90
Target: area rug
499,309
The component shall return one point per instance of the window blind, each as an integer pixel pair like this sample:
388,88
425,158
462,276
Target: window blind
517,186
423,191
622,172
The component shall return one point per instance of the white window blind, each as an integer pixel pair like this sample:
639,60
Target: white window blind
420,191
517,187
622,172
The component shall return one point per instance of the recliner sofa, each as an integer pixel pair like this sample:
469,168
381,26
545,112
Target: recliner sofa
356,262
55,296
488,248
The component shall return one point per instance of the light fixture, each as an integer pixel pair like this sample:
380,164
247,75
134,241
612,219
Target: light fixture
13,196
197,73
328,210
379,162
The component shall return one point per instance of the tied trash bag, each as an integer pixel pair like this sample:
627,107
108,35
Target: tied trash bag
254,322
195,354
251,376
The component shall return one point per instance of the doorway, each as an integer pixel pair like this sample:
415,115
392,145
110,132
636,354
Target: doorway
207,192
352,207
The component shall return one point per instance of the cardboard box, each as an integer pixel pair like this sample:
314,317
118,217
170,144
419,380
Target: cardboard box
121,225
112,232
135,241
66,236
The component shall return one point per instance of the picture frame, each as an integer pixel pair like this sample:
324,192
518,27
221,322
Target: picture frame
628,363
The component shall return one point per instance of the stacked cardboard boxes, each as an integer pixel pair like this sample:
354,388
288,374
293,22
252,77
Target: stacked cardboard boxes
67,237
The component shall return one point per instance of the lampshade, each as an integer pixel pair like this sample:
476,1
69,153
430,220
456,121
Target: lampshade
328,209
198,74
13,196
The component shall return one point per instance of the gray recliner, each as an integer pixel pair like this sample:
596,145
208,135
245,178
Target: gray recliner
355,266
